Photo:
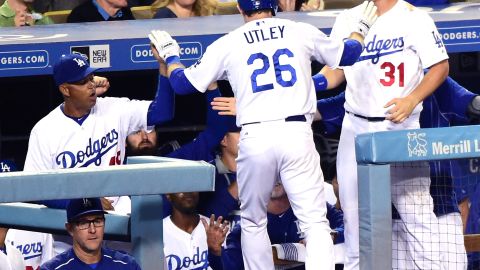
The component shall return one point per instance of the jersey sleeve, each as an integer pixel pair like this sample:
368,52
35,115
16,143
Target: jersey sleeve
209,68
456,112
38,158
325,50
135,111
427,41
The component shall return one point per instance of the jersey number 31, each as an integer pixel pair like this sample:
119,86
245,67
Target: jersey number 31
279,68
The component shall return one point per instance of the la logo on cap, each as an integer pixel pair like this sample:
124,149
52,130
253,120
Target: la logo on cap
80,62
87,203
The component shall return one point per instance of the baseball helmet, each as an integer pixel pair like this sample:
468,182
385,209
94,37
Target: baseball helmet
252,5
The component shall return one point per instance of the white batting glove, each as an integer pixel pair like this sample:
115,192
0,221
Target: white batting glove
165,44
367,18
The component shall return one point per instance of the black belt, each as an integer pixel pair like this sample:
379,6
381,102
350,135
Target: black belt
293,118
368,118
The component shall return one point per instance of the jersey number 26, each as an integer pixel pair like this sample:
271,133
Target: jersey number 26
279,68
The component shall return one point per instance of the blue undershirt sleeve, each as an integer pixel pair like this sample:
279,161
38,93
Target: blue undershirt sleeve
351,51
161,109
180,84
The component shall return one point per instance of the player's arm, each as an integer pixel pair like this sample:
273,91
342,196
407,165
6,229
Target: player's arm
162,107
403,107
169,51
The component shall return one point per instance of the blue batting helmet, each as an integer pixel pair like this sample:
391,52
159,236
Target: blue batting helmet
252,5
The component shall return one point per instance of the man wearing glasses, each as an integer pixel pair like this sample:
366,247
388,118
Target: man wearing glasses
86,223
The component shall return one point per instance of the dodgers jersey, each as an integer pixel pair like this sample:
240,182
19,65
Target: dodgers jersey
36,248
183,250
59,142
268,52
401,43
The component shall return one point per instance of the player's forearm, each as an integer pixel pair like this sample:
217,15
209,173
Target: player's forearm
432,80
334,77
162,108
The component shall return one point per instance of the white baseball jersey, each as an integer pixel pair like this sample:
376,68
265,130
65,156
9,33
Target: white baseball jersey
400,44
276,55
59,142
36,248
183,250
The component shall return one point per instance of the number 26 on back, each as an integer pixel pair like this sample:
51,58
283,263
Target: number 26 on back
279,69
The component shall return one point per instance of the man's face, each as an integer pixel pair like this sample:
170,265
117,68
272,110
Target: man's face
82,93
230,143
184,202
142,142
87,232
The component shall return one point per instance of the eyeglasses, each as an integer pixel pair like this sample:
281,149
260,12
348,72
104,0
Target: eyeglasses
84,81
85,224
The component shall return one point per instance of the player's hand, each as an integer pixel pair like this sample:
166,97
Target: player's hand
162,65
164,43
366,19
216,233
107,204
401,110
101,85
224,105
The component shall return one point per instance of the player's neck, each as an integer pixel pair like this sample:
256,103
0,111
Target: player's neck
89,257
257,16
185,222
384,6
3,235
72,111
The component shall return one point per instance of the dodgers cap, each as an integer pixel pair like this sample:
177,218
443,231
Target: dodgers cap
7,165
71,68
81,207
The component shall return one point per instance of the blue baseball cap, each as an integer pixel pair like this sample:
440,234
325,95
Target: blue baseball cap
80,207
71,68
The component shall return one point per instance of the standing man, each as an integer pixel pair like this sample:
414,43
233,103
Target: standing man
86,225
385,90
267,62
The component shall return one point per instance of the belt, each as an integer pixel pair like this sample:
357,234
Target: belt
368,118
293,118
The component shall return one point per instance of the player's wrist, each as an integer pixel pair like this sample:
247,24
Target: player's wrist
172,59
320,82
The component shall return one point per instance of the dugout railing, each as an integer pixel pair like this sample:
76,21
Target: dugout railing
374,153
144,178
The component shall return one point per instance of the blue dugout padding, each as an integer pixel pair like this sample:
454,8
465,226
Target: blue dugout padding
144,178
374,153
123,45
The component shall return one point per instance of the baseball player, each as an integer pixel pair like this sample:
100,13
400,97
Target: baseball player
267,62
438,111
190,242
385,89
86,224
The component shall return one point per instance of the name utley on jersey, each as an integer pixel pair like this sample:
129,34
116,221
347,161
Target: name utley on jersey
268,52
58,142
401,43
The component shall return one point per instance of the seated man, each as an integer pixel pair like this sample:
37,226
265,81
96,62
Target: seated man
101,10
86,223
20,13
190,242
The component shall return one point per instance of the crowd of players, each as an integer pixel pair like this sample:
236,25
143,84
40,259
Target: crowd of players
117,127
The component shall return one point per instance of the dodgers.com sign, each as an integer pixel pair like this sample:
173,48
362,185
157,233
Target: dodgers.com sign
188,51
23,59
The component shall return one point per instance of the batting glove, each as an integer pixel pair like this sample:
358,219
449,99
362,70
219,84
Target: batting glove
367,18
165,44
